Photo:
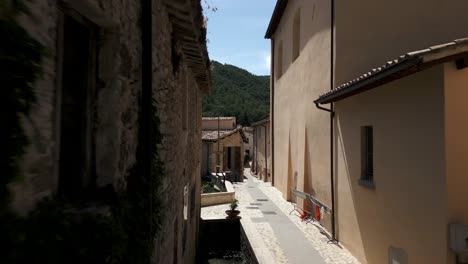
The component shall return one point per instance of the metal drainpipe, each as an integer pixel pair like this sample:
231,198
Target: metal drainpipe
332,76
272,113
146,98
332,114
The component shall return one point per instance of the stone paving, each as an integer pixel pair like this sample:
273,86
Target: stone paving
288,239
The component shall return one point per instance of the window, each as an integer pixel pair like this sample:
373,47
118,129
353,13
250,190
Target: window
367,156
296,35
279,63
78,66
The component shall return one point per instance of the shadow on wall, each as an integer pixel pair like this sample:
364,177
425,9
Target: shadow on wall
341,141
402,209
304,23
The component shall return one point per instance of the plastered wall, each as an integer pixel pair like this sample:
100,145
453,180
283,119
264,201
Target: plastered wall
407,208
301,131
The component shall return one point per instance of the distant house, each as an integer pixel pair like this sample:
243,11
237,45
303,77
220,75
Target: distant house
223,147
261,163
385,146
248,146
215,123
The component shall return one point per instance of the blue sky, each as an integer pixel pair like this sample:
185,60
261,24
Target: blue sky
235,33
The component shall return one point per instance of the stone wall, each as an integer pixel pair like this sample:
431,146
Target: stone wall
115,108
178,102
115,102
37,175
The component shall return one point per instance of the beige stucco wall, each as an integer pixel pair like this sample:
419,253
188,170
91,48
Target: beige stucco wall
408,207
369,33
301,131
456,144
406,210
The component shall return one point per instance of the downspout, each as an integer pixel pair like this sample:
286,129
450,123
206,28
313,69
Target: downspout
272,113
332,79
146,99
332,113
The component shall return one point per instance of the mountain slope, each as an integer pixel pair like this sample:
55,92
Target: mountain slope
237,92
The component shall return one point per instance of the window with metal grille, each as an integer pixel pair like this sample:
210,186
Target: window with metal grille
367,154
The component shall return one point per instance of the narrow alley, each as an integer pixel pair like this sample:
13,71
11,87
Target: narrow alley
240,132
276,235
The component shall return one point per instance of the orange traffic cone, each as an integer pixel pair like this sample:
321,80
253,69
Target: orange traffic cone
318,215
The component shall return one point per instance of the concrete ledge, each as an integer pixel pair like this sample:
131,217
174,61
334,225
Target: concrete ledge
208,199
260,251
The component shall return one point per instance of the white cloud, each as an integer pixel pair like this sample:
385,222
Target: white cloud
267,61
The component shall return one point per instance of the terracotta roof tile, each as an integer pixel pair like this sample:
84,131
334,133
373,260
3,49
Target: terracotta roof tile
402,66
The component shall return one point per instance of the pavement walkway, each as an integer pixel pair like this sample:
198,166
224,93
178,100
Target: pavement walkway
286,237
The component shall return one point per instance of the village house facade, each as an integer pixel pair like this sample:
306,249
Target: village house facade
392,156
223,147
113,68
261,163
248,147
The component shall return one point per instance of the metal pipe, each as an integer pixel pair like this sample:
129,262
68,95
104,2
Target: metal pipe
332,114
332,76
323,108
272,113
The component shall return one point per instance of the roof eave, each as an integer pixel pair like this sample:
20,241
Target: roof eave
408,64
395,72
189,30
276,17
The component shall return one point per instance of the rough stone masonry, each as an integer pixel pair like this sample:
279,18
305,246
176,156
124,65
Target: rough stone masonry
114,103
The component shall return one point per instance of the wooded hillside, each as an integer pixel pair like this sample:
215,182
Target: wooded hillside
237,92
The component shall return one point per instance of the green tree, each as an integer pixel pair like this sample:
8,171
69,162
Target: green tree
237,92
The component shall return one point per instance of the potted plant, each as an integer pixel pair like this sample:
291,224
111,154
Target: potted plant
233,213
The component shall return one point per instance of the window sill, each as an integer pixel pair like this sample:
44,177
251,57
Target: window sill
367,184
